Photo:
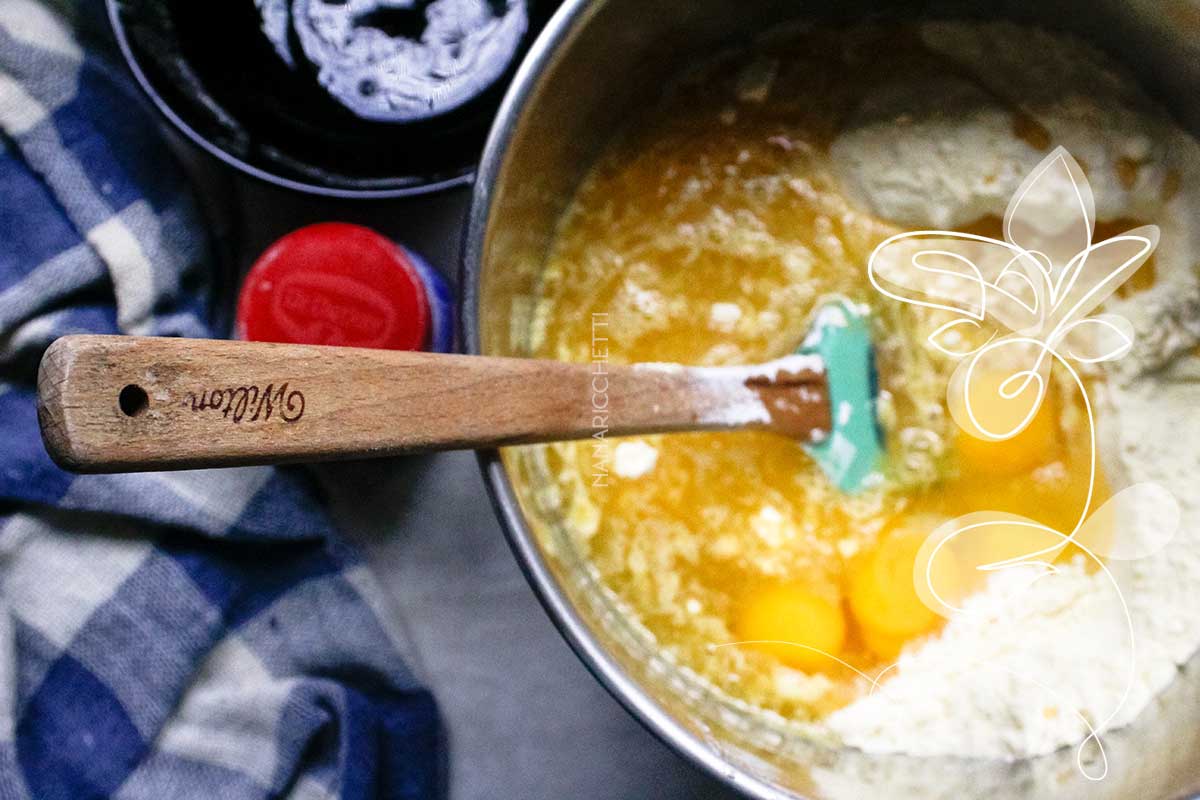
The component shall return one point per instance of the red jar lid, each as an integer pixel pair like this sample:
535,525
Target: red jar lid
334,283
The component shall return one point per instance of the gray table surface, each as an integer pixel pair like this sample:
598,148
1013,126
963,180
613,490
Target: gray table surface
525,718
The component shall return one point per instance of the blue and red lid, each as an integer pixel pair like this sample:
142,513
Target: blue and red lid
334,283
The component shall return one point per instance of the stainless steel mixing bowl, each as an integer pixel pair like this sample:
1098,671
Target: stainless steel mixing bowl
595,62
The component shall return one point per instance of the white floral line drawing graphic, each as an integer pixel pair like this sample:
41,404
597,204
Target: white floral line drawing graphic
1039,283
1030,295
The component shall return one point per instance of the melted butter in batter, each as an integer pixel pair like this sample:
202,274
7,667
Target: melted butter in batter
708,235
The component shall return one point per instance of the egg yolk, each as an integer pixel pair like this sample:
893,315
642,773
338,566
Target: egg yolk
1014,541
794,625
884,646
883,596
1036,444
1054,495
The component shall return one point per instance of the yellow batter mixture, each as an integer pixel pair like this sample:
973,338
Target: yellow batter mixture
707,235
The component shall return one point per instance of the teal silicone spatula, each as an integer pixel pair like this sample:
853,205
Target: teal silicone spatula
852,454
123,403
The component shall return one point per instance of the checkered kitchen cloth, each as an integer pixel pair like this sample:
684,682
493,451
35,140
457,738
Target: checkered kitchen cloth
183,635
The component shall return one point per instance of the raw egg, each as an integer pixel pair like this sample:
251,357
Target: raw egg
883,595
1036,444
793,624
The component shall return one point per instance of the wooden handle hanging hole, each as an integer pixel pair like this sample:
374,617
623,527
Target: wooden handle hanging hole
133,400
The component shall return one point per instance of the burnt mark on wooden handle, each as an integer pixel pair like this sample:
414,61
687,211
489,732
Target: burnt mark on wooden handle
249,403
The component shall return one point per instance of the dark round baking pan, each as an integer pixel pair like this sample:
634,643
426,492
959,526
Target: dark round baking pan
213,72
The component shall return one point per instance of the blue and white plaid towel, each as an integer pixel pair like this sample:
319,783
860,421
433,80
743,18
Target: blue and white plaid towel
186,635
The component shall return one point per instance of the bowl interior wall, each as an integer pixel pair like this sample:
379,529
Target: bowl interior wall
613,59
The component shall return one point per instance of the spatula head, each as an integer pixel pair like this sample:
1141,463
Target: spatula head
852,454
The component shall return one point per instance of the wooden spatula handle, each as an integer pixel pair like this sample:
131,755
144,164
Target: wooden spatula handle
121,403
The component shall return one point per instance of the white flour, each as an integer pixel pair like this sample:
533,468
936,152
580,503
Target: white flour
634,458
1020,679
